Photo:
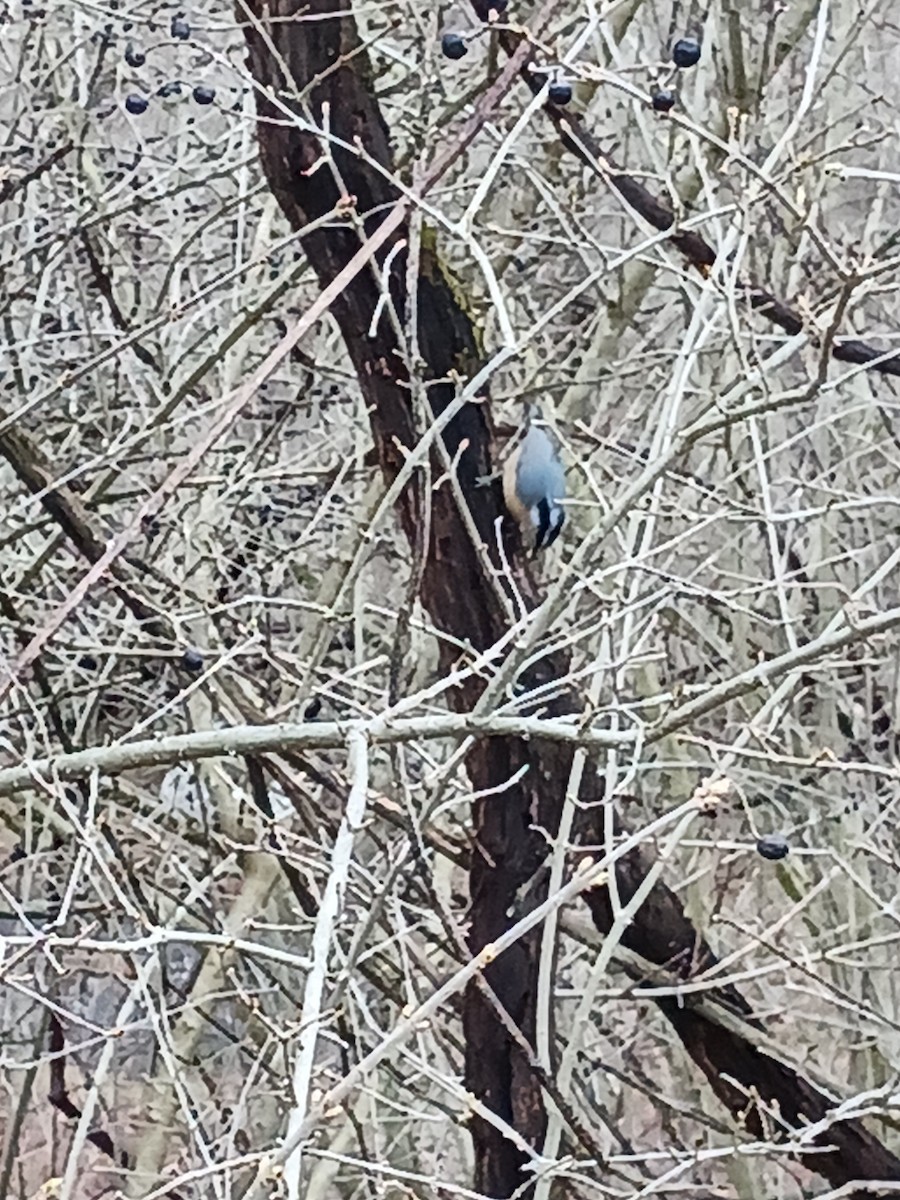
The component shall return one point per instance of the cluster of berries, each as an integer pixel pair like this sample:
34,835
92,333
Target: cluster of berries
685,54
135,103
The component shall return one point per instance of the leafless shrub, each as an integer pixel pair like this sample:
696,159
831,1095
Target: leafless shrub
236,814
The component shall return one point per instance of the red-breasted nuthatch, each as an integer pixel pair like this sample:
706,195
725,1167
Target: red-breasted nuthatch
534,484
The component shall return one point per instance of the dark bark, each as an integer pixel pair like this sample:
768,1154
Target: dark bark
579,141
67,510
505,852
740,1074
58,1093
454,588
327,67
447,341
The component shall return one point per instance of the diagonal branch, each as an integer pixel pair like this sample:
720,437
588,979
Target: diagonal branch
309,174
579,141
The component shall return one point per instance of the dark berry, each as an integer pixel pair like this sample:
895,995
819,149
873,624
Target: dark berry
686,53
663,100
135,104
192,660
560,92
87,662
180,29
204,95
312,709
773,846
453,45
134,58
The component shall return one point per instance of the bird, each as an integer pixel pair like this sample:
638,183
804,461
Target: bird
534,485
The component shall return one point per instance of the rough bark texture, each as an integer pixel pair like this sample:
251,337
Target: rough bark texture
321,56
663,935
454,588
